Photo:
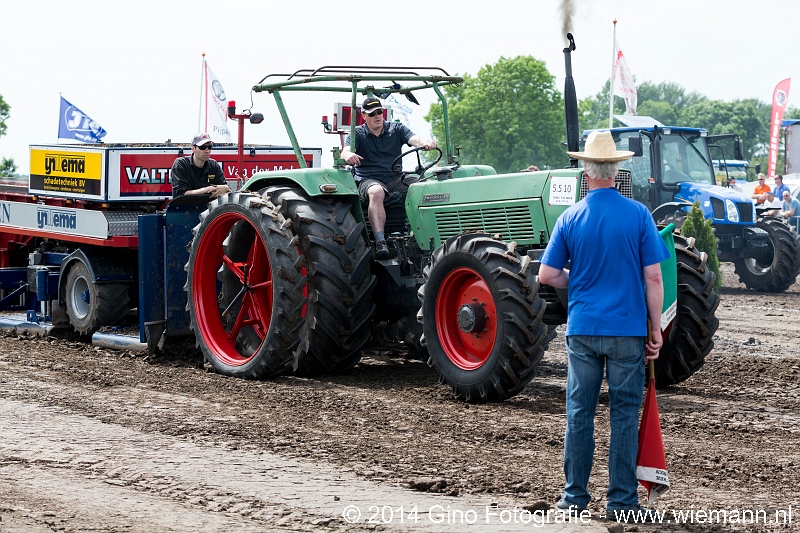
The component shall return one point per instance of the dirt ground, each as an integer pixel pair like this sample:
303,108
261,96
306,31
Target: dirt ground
100,440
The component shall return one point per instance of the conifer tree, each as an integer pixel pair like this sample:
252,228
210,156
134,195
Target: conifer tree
702,230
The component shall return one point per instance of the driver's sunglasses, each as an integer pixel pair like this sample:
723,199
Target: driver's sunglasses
206,147
376,112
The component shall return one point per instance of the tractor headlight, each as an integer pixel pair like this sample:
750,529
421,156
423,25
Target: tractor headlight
732,212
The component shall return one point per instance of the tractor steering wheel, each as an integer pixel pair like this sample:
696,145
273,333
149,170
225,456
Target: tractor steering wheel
397,165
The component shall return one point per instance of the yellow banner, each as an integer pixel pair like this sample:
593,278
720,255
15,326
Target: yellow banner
85,165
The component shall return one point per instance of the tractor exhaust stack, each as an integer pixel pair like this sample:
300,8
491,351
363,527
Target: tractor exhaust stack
570,103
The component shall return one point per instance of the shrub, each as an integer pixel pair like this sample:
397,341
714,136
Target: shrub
702,230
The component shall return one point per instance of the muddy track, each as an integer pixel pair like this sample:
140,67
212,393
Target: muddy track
730,431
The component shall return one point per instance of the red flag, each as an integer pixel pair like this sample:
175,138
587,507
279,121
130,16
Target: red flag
779,99
651,462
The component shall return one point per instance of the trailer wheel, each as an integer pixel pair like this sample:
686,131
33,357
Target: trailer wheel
690,337
482,318
340,283
90,305
777,272
245,287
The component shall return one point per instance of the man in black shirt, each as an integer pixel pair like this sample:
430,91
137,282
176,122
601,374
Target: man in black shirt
378,143
198,173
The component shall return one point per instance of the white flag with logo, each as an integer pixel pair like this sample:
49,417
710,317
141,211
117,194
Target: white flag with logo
623,82
400,111
214,108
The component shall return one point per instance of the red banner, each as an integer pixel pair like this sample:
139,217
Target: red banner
779,99
143,174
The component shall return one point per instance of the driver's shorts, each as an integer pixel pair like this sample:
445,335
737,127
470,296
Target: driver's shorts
396,185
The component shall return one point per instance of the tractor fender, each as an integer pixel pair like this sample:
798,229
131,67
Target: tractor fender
666,209
311,180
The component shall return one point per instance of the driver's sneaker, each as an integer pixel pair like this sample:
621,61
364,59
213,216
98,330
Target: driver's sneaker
381,250
633,515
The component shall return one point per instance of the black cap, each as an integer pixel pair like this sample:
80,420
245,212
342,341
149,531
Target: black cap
371,104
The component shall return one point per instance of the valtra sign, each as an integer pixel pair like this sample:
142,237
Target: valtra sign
149,174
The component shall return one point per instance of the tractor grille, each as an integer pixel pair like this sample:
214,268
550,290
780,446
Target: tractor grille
718,208
512,223
745,211
622,183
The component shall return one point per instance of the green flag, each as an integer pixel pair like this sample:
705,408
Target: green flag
669,276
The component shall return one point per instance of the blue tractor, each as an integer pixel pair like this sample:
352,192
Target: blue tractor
672,168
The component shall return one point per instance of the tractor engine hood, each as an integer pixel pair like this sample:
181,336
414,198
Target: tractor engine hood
723,205
703,192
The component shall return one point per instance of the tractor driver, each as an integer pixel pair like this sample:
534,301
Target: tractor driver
378,144
198,173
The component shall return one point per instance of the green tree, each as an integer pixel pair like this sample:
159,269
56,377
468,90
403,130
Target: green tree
748,118
702,230
593,111
668,92
663,101
7,168
4,114
510,115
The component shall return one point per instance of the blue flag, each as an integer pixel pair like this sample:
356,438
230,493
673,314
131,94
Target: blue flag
74,124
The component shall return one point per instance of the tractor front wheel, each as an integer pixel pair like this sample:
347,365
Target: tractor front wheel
778,271
482,318
690,336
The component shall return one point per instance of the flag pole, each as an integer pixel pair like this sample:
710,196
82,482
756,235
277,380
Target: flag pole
611,82
60,97
202,82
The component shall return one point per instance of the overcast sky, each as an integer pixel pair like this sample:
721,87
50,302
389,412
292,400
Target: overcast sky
135,67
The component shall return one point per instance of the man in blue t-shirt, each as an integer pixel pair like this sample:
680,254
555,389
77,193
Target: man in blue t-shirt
378,143
790,209
780,187
614,282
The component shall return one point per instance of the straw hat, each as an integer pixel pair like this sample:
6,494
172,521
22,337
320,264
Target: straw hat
600,147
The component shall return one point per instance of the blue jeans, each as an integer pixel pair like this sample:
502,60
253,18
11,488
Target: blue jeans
623,359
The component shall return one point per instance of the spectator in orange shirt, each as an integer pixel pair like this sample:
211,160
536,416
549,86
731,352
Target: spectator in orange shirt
760,190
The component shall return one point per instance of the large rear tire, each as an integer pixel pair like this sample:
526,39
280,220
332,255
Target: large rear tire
340,283
90,305
245,287
482,318
690,337
779,272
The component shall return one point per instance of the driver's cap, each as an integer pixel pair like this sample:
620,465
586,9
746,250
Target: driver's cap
371,104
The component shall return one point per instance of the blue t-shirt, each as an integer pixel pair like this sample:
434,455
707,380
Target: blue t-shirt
608,239
778,191
794,204
379,152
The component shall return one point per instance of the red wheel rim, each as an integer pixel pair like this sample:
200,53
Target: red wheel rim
466,349
256,302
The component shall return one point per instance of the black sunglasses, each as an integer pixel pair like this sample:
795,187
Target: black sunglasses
376,112
208,146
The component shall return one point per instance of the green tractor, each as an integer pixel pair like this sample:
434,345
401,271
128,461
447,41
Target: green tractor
282,274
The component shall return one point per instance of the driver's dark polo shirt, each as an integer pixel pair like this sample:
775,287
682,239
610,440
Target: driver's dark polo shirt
379,152
186,176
